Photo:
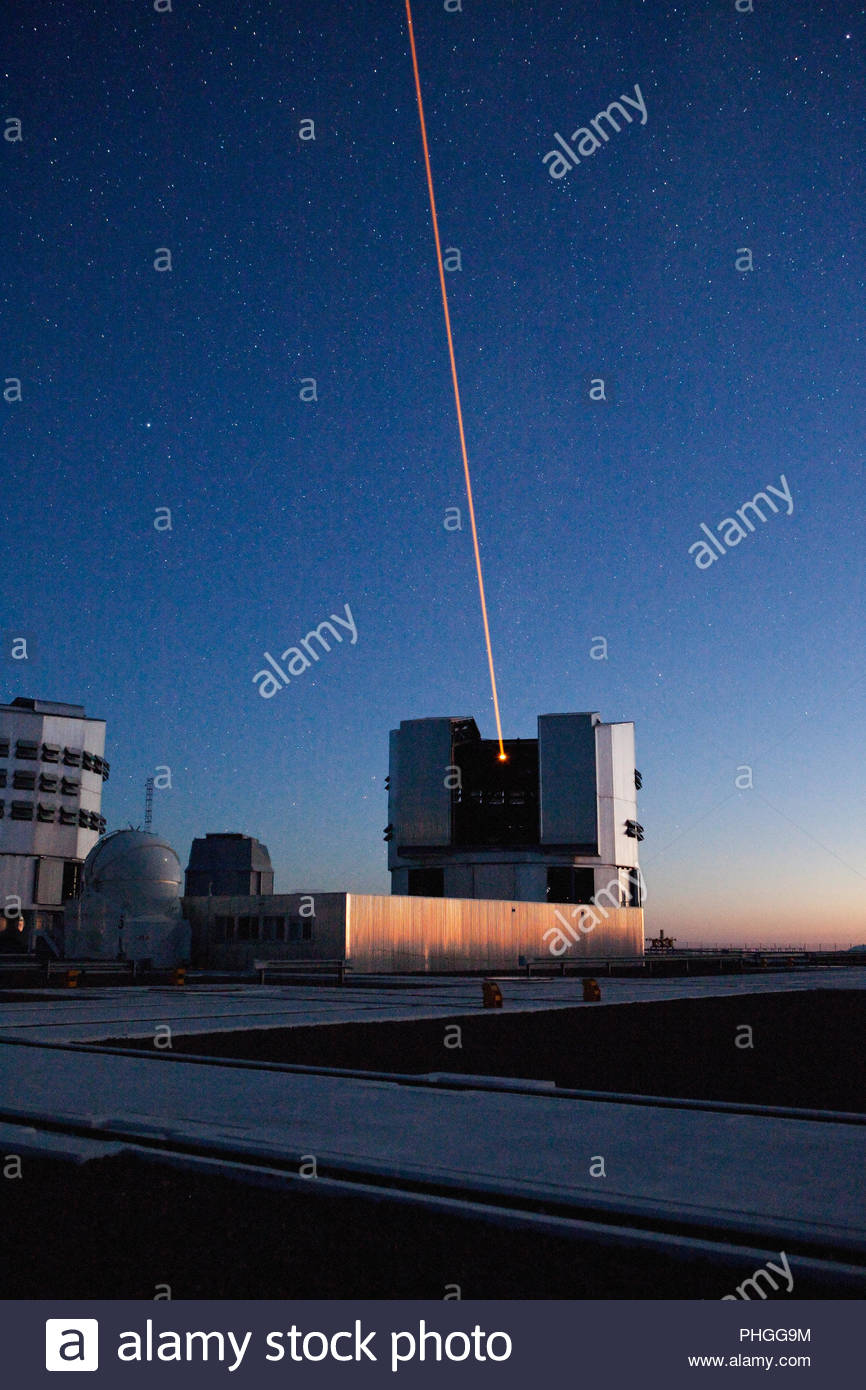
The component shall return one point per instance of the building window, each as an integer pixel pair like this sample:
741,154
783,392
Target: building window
570,885
223,928
45,813
634,888
72,757
48,782
102,824
2,777
426,883
105,770
2,809
71,879
51,752
24,748
4,748
295,925
69,788
68,816
88,761
248,929
307,928
22,810
274,928
24,781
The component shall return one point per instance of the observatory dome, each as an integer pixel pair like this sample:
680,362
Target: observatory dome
135,870
130,907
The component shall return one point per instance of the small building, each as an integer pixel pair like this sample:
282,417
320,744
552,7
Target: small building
377,933
52,770
228,864
554,820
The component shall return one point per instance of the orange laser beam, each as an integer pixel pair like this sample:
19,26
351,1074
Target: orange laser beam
502,753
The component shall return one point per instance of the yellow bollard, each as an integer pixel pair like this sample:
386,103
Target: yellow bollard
180,975
72,979
491,994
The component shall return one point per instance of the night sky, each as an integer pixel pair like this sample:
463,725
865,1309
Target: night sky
145,389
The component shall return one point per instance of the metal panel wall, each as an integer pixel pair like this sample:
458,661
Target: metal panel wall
494,881
381,933
48,887
567,779
396,933
624,802
328,924
422,808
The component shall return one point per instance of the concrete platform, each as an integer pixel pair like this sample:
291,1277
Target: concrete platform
790,1181
90,1015
149,1166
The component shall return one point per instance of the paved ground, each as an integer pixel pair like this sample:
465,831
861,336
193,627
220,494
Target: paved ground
89,1015
793,1179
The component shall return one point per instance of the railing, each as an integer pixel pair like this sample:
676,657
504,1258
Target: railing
293,969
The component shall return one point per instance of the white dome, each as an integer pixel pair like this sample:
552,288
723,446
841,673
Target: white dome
130,905
134,869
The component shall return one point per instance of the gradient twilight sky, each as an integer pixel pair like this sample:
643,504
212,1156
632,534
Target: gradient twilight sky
294,259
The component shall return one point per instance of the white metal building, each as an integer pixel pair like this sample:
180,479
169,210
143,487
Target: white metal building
553,821
52,770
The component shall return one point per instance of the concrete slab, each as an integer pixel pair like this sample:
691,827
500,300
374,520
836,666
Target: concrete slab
91,1015
796,1180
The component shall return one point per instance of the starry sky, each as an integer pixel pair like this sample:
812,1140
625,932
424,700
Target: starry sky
146,132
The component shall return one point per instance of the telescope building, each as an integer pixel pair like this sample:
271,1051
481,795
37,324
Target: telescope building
554,821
